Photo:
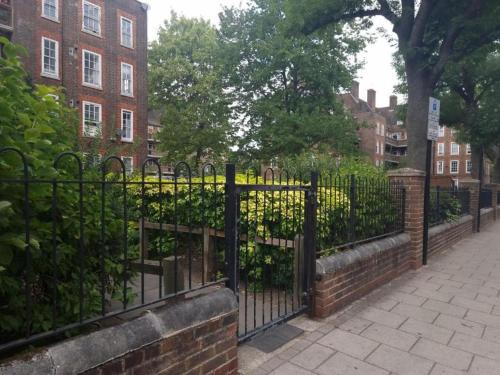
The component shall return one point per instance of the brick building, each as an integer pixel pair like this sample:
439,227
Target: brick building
6,20
384,139
381,136
154,127
451,160
96,50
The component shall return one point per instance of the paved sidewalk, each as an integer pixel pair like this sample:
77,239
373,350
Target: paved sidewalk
441,320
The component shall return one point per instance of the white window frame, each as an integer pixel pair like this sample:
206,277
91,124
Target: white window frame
440,150
85,29
99,85
131,32
451,149
441,130
468,149
467,164
131,164
131,138
382,130
440,167
99,126
43,72
377,148
451,166
56,18
131,93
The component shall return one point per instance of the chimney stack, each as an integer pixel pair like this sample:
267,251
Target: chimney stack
372,98
355,89
393,100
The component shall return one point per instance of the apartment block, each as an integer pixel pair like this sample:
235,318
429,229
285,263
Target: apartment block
97,51
384,139
154,127
452,160
381,136
6,19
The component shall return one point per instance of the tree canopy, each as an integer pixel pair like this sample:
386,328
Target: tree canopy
471,102
285,87
431,35
185,83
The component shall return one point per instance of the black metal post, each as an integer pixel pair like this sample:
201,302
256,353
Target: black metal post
310,239
438,204
231,228
427,190
352,210
481,172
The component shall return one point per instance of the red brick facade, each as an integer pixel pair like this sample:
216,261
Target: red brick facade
30,25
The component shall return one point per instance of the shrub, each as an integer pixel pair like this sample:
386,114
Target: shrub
41,127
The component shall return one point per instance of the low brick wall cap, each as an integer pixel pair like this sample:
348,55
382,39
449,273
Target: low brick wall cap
337,262
85,352
469,181
406,172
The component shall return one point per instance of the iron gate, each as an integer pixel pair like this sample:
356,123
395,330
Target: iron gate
270,247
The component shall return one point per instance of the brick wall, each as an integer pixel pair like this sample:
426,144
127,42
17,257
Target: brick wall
346,277
208,348
487,217
193,336
446,235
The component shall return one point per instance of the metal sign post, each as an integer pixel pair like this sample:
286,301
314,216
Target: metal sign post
432,135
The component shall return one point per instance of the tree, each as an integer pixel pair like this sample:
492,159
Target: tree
430,33
185,83
471,102
285,88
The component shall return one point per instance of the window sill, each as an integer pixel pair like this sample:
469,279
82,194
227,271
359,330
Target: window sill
127,47
92,33
56,20
51,76
130,141
92,86
127,95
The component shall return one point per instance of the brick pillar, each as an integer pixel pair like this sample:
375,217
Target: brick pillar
494,198
413,181
473,186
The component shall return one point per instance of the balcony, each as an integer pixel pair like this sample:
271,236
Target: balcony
391,158
6,22
396,142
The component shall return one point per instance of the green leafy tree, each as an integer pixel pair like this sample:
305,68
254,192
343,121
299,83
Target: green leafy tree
431,35
471,102
185,83
285,88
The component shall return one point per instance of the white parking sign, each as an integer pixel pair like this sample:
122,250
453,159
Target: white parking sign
433,124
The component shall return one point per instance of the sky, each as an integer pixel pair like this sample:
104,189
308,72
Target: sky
378,73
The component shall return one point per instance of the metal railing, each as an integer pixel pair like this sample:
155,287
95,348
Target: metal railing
448,205
90,242
354,210
486,199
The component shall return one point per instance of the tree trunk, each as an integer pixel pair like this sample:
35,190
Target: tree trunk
496,170
475,158
419,91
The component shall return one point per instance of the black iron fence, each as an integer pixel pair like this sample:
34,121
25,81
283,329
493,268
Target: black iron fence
448,205
354,210
92,243
82,243
486,198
